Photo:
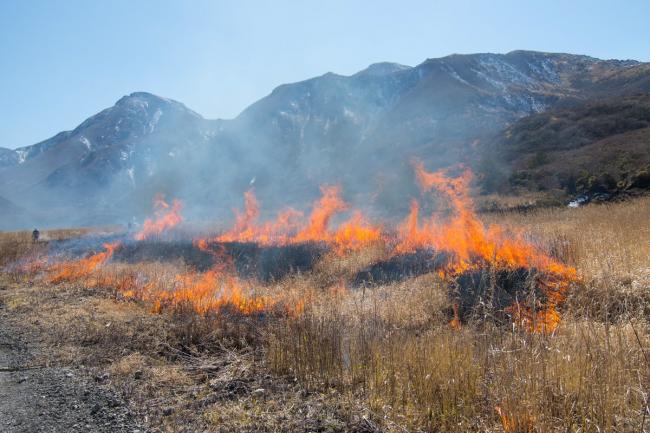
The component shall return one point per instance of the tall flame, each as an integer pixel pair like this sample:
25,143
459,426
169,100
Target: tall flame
355,234
246,228
290,228
329,204
165,217
473,245
461,236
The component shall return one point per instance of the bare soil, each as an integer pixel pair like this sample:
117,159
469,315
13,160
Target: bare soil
48,398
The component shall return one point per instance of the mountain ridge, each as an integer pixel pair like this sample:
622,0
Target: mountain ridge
359,130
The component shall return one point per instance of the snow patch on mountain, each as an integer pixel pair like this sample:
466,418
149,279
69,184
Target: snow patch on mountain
500,72
154,121
85,142
131,174
22,155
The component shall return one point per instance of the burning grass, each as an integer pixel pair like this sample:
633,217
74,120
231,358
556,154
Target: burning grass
529,322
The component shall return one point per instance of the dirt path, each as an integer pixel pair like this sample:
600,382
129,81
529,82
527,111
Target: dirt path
36,398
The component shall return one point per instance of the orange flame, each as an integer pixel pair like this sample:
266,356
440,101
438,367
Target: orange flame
288,228
469,243
78,269
246,229
355,234
211,291
329,204
473,245
166,217
455,322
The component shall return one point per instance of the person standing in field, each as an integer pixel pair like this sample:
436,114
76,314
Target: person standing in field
35,235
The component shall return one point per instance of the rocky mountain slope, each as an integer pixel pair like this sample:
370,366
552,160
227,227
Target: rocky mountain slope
360,130
82,175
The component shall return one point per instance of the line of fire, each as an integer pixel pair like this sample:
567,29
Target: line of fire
491,273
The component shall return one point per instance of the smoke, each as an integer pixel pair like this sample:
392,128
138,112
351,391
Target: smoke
357,132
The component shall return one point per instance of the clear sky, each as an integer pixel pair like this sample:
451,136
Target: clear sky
63,60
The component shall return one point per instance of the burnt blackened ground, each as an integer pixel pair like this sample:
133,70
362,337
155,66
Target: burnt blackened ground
476,293
250,260
484,288
489,291
159,251
400,268
79,247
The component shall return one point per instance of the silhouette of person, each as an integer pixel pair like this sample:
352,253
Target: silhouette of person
35,235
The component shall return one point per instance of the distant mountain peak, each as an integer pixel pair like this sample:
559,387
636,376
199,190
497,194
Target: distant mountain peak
383,68
149,102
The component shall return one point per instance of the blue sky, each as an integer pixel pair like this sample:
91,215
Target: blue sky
62,61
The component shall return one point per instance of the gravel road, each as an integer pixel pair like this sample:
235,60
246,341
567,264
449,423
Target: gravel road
36,398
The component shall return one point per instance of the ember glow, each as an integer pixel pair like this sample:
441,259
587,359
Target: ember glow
166,217
512,425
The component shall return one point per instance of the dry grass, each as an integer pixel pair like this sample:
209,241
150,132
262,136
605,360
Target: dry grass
379,358
393,344
19,245
609,244
598,239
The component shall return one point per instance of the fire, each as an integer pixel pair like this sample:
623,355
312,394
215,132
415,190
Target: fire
329,204
455,322
356,234
246,228
212,291
166,217
78,269
290,228
208,292
467,245
473,245
412,235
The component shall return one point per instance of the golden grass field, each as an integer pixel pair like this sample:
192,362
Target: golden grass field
375,359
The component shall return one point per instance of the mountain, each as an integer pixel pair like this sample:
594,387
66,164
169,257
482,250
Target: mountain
80,176
601,146
360,131
8,157
13,216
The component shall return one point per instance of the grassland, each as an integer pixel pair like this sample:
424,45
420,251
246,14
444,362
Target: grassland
373,359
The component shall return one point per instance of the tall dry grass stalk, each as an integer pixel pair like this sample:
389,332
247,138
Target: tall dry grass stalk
392,344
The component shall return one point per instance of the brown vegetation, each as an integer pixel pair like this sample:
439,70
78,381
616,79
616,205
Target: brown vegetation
600,146
380,358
